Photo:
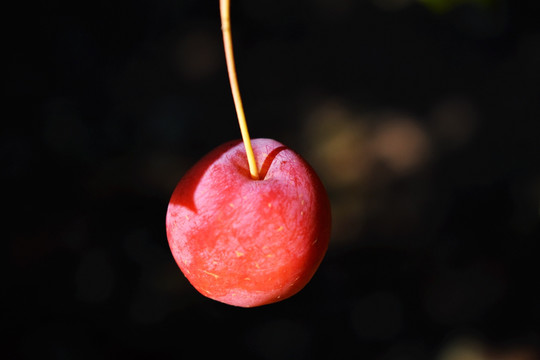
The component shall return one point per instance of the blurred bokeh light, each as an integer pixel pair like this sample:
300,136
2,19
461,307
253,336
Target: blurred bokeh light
421,118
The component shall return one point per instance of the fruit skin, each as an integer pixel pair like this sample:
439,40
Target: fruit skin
248,242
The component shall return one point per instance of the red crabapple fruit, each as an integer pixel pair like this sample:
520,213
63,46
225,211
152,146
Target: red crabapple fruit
249,242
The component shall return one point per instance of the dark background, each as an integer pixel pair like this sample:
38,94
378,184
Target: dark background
422,119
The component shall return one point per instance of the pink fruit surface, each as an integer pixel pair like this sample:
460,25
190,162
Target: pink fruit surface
249,242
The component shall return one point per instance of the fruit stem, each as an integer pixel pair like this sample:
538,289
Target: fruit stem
224,6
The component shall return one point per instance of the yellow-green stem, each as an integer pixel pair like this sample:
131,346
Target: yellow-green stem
224,6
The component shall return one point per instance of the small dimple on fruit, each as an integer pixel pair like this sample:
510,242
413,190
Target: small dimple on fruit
239,253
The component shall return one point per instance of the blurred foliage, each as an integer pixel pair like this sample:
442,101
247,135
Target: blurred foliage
443,6
423,125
